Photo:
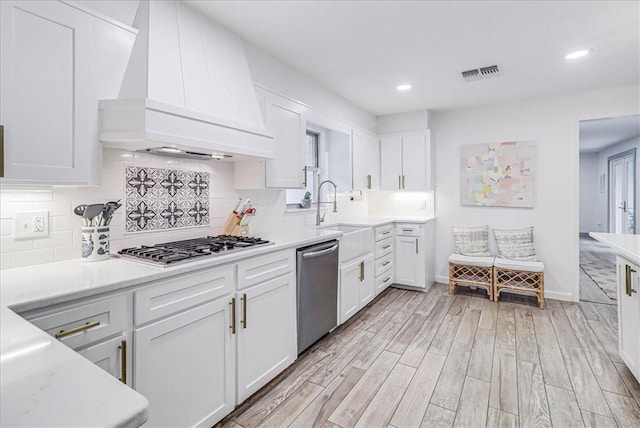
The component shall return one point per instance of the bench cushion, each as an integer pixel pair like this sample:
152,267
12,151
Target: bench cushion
518,265
459,259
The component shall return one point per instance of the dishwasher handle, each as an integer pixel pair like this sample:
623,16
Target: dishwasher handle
320,253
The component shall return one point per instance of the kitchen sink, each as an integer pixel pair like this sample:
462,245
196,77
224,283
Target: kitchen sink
355,241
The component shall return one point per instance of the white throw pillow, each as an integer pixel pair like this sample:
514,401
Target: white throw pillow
472,241
516,244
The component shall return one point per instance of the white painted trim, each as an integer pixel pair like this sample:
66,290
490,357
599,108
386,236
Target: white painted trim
568,297
442,279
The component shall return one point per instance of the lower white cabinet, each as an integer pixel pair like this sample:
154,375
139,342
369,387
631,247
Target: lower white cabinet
357,286
113,356
185,366
266,332
414,265
629,314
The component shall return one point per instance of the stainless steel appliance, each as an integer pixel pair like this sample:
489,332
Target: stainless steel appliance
172,253
317,275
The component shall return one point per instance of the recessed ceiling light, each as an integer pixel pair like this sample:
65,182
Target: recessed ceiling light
578,54
404,87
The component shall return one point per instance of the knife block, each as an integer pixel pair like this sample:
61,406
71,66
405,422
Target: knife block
233,221
240,231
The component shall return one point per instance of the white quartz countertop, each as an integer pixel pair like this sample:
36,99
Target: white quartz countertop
626,245
45,383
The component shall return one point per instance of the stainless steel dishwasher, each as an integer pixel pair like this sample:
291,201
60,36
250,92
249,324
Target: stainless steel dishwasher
317,275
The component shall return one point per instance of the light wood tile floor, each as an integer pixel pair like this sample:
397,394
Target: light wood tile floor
414,359
591,250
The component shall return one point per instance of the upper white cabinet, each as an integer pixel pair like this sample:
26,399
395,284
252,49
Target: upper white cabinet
366,160
57,60
286,120
405,161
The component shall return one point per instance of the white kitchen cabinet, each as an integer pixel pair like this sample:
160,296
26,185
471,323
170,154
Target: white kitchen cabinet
414,265
285,118
629,314
366,160
98,329
113,356
405,161
357,286
266,332
384,251
185,366
56,60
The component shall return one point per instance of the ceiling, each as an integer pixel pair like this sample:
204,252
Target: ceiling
597,134
362,49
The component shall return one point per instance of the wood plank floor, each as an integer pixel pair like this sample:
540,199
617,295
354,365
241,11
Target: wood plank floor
413,359
591,250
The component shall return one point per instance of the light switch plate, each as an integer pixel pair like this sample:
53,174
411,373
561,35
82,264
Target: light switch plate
31,224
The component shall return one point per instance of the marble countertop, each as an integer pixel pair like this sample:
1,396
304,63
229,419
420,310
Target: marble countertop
626,245
43,381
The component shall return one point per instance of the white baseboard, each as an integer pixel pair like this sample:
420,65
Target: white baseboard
556,295
442,279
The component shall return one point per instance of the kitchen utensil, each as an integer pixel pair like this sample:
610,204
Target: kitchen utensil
235,209
115,208
79,210
92,212
246,205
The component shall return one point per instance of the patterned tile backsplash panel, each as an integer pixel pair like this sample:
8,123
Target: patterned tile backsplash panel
162,199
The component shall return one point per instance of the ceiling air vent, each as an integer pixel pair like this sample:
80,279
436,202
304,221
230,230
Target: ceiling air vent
481,73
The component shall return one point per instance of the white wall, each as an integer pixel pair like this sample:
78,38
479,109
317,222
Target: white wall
553,123
590,194
603,166
63,241
403,122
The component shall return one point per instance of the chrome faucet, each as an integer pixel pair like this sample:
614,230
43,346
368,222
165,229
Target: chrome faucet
335,204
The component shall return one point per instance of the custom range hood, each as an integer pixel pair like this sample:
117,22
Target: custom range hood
187,88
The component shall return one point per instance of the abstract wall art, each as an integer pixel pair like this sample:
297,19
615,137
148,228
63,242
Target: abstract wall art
498,174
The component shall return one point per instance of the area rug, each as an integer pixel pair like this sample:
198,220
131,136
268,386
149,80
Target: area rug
603,274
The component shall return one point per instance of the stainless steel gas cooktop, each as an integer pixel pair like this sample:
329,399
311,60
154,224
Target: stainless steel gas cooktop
172,253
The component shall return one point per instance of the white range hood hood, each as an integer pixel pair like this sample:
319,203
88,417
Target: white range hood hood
187,86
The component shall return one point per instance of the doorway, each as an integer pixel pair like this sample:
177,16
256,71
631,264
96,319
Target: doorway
622,192
608,199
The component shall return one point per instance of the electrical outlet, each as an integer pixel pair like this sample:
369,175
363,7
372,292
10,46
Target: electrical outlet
31,224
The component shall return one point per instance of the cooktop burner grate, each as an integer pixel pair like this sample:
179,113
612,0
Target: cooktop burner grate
171,253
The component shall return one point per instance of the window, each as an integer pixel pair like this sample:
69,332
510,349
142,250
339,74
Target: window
295,195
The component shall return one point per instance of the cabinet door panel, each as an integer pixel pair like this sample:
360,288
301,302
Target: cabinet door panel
285,119
185,366
390,162
349,291
45,71
407,249
267,341
414,161
629,317
366,161
366,282
108,356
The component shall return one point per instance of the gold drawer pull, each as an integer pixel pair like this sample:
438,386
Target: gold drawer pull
123,363
386,279
386,263
386,246
244,310
87,326
232,303
368,181
361,271
387,232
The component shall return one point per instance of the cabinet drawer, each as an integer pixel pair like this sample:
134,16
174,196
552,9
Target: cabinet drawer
383,247
181,292
383,264
263,268
383,232
407,229
92,321
383,281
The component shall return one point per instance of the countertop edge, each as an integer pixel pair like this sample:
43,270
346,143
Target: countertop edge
626,249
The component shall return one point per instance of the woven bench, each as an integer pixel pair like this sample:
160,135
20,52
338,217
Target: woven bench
471,272
518,276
